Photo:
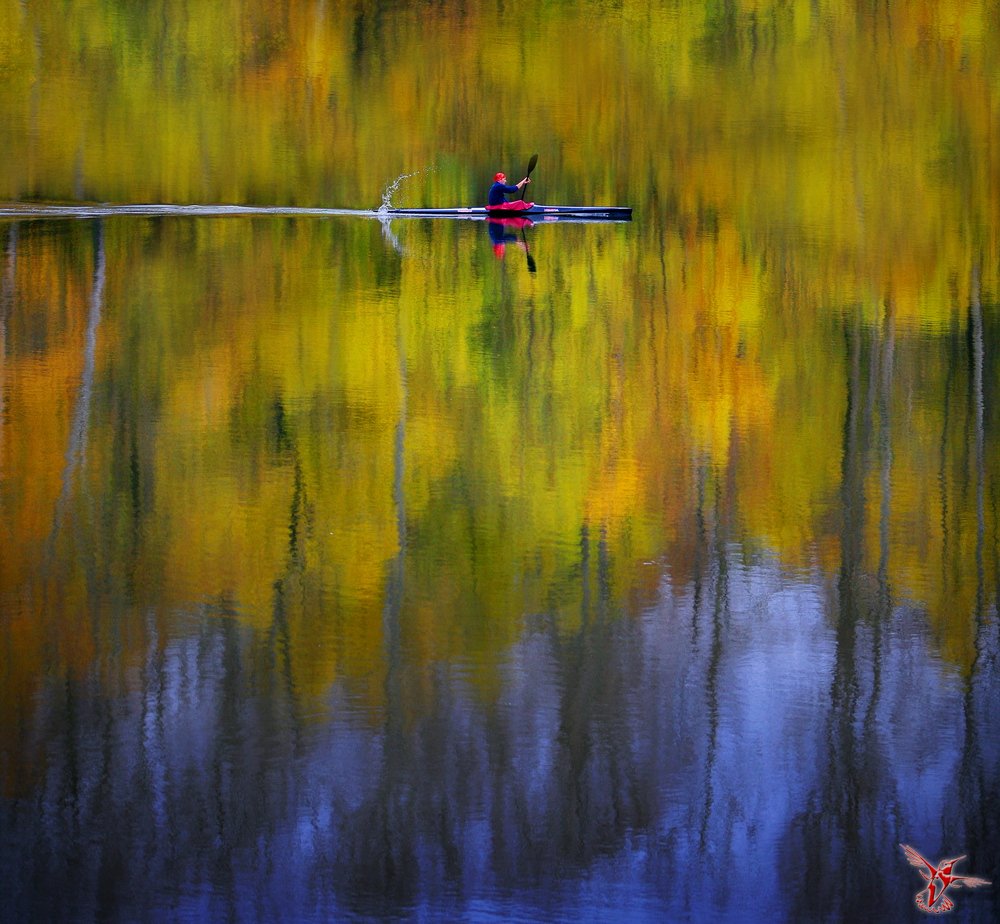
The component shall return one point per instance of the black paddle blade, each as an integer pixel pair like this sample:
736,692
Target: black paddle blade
531,164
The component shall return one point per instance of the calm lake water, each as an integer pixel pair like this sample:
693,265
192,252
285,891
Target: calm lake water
366,569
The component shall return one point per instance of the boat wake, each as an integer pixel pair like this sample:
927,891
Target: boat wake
152,210
34,210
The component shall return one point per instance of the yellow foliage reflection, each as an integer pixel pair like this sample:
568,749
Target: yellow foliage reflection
295,425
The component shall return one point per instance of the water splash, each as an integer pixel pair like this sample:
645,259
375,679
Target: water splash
383,210
394,185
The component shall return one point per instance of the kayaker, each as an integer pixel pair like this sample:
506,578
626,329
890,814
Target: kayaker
500,189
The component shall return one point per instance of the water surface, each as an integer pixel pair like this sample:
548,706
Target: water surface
369,569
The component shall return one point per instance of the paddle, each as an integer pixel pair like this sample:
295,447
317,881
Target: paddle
531,166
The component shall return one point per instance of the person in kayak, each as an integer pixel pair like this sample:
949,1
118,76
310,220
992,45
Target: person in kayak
496,201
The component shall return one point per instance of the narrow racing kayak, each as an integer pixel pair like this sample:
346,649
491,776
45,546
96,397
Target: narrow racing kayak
535,213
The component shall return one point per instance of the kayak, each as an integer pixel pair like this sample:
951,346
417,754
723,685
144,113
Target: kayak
536,212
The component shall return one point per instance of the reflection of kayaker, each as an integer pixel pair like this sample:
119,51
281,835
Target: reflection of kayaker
497,228
500,239
496,201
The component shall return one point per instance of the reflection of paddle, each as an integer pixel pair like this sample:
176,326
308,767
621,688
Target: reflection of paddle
524,240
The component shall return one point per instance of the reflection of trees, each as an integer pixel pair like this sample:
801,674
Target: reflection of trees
847,847
81,414
979,780
670,750
880,714
607,730
6,304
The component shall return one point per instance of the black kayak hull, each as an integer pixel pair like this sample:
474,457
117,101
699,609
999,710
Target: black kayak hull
536,212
